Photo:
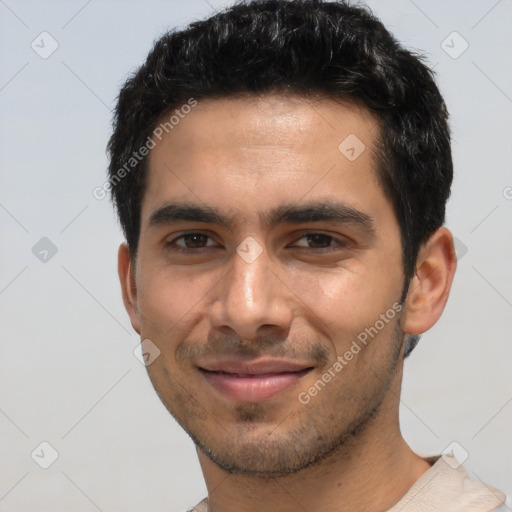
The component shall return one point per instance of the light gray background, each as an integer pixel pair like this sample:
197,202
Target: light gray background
68,375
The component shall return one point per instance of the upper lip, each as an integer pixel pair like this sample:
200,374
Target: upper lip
254,367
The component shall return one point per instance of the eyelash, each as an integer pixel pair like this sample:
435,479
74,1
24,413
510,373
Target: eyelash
187,250
340,244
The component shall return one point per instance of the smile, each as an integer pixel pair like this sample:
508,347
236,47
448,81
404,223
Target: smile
253,382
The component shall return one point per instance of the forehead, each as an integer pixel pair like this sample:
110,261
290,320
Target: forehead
257,152
271,120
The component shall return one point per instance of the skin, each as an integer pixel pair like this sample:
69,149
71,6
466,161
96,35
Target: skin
303,299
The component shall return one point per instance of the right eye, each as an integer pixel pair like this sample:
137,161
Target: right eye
191,242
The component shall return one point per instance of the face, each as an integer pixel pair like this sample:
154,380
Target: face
268,274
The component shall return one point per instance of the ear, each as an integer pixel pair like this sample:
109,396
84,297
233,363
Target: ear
126,273
431,284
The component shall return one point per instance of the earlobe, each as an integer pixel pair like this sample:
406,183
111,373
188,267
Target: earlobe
431,284
128,285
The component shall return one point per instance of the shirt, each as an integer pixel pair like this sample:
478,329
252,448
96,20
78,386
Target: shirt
445,487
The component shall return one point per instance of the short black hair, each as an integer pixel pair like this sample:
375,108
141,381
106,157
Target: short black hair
299,47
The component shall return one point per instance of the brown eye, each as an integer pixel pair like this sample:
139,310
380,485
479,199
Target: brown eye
315,241
195,240
191,241
319,241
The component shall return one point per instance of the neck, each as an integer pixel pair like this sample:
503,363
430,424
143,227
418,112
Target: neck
369,473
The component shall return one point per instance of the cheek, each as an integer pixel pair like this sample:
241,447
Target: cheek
347,297
169,298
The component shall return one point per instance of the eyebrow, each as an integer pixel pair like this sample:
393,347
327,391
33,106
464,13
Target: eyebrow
317,212
285,214
175,212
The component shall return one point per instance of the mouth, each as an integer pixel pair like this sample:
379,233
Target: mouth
254,381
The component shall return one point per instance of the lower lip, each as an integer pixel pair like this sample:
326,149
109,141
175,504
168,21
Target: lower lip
254,388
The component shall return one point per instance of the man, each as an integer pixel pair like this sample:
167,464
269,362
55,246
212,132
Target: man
280,172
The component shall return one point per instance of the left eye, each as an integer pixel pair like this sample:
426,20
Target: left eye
316,241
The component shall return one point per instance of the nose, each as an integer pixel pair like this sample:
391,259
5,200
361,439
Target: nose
252,300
